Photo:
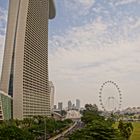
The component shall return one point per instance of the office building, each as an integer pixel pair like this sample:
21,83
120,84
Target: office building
54,107
69,105
5,106
51,92
25,65
73,106
77,104
60,106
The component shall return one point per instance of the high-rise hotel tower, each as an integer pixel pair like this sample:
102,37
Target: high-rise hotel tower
25,65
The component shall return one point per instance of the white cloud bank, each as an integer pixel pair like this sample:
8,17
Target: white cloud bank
124,2
82,59
86,56
78,7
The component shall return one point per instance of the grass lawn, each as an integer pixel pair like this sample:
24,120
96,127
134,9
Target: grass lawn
136,132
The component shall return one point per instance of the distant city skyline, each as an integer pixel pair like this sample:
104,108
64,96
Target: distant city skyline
90,42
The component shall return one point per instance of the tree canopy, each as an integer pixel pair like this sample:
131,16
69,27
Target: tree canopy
97,127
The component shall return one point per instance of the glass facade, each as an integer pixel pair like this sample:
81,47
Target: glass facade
5,106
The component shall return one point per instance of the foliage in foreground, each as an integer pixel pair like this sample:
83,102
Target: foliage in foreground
125,129
14,133
96,130
96,126
31,128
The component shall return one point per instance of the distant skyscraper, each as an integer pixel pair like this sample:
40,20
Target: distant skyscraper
73,106
54,107
60,105
51,91
77,104
69,105
25,65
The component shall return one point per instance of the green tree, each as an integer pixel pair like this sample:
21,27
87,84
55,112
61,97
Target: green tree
125,129
96,130
27,122
30,128
14,133
90,107
91,113
96,126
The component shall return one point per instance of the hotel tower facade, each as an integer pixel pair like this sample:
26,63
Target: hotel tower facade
25,62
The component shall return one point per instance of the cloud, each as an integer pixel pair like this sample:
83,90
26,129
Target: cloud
86,33
3,20
1,51
105,47
124,2
3,14
136,24
86,56
79,7
86,50
87,3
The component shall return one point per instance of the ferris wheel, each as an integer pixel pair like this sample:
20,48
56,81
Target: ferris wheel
116,102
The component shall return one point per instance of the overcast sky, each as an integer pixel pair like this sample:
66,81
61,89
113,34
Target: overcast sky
90,42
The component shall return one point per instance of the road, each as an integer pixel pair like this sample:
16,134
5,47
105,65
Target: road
78,125
75,126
